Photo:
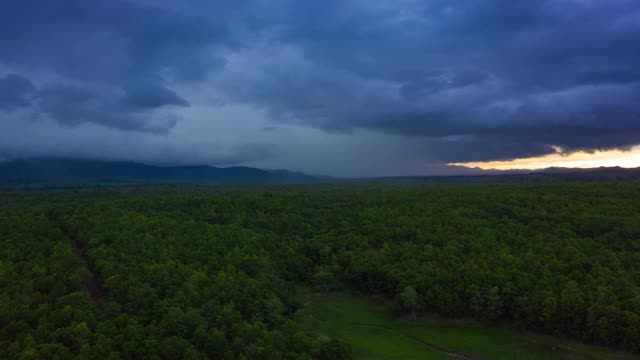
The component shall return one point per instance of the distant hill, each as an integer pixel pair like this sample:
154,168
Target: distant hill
75,172
552,174
58,172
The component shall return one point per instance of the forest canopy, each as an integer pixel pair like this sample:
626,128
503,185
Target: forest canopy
211,272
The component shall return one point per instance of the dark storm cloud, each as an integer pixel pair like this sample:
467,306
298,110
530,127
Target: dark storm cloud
15,92
115,108
481,79
476,79
121,52
105,40
145,96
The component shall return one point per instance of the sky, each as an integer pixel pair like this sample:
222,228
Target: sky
577,160
334,87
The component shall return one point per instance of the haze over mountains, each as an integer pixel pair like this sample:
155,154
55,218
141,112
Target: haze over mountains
79,172
70,172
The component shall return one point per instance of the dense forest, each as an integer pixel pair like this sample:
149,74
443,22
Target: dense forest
213,272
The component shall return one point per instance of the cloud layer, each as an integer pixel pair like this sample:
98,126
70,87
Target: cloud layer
466,80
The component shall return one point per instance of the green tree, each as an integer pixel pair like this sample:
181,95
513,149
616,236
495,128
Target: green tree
409,300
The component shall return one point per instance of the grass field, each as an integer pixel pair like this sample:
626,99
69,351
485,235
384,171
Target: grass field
374,332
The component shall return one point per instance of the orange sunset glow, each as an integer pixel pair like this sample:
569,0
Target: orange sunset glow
580,159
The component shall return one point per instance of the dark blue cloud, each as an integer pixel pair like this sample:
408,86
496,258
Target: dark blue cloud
105,40
15,92
149,96
114,59
477,79
72,105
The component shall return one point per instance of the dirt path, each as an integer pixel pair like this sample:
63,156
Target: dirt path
96,291
433,347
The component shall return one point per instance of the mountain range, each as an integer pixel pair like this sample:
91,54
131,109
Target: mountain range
61,172
76,172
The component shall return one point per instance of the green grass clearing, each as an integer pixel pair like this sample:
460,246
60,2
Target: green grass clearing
374,332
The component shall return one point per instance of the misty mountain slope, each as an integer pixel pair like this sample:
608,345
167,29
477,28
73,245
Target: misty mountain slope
53,172
72,171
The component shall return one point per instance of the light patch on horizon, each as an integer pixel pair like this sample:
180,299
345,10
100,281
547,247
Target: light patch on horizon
579,159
